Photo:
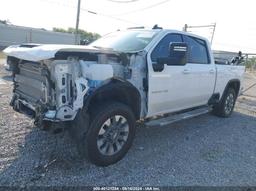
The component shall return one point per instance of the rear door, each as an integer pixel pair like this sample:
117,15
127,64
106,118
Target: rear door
200,70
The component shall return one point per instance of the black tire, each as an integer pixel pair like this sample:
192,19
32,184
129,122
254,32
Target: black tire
77,130
101,115
227,104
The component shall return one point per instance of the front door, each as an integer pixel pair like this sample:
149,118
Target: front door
177,87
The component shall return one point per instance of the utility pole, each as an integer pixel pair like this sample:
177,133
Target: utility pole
213,31
185,28
77,21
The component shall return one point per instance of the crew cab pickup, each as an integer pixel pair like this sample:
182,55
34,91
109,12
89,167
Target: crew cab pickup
101,91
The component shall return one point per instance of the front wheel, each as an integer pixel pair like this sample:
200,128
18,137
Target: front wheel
110,135
227,104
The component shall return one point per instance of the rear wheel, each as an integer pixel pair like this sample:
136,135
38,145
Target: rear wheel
110,134
227,104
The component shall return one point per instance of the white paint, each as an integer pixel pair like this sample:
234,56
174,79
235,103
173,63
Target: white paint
2,82
186,86
94,71
44,52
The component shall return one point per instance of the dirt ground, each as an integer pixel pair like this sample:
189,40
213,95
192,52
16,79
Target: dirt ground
205,151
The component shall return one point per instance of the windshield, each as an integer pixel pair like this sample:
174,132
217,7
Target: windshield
125,41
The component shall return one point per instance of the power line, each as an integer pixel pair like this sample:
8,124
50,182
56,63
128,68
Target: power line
142,9
238,46
213,26
123,1
109,16
91,12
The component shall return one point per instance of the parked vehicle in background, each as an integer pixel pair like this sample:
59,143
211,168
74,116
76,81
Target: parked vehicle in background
99,92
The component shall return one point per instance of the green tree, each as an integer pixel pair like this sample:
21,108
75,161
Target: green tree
89,36
59,30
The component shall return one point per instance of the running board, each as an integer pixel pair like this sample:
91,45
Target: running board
177,117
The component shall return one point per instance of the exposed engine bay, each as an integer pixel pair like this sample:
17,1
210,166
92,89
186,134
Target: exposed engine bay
55,89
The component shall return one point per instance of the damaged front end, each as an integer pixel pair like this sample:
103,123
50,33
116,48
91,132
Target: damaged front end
56,88
51,90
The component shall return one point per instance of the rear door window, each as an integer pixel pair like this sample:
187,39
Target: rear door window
197,50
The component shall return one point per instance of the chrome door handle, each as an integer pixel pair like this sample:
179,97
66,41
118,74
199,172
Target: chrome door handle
186,71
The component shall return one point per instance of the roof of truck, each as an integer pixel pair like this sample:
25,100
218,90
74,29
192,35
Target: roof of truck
167,31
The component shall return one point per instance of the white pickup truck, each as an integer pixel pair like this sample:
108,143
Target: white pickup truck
99,92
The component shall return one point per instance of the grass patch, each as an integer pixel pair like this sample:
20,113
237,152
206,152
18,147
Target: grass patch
2,55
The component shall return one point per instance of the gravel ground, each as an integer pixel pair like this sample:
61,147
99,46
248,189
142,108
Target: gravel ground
205,151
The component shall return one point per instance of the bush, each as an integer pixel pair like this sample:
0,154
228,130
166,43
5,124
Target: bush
89,36
251,63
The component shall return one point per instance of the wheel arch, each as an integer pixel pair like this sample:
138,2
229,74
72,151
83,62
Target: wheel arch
235,84
116,90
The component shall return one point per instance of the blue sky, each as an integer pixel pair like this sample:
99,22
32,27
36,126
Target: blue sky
236,21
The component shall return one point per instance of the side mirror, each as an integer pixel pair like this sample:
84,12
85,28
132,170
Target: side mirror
177,56
178,53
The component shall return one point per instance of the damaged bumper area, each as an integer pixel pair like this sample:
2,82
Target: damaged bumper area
56,87
51,91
